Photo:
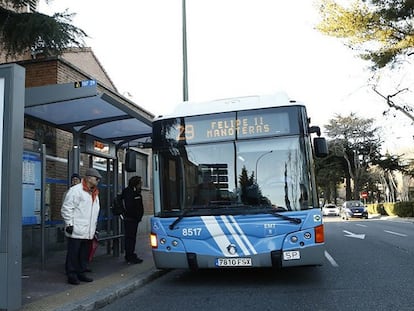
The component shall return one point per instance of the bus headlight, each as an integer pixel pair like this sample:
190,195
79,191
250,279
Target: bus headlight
153,240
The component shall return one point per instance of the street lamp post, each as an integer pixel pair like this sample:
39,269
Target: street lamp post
257,161
185,68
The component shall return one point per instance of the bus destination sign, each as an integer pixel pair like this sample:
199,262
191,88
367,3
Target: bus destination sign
198,129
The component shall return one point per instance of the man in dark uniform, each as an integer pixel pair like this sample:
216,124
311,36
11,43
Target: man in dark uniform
134,210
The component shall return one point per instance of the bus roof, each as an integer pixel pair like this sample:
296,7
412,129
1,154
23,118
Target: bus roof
187,108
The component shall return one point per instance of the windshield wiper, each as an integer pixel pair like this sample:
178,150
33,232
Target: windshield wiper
182,215
275,212
291,219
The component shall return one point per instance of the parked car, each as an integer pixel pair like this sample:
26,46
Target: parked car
330,210
351,209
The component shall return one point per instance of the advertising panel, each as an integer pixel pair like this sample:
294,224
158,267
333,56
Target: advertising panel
31,180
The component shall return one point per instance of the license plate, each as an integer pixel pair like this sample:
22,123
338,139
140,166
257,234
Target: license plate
291,255
357,214
234,262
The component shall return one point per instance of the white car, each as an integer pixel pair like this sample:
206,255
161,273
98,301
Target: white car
330,210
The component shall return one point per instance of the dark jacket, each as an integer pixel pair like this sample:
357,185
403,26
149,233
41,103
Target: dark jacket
133,204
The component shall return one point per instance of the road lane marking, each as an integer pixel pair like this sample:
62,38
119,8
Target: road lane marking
395,233
354,235
331,260
361,225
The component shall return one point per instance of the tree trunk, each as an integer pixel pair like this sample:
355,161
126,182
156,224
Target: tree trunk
348,192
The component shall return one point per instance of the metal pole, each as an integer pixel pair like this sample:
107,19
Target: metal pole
42,206
115,219
185,67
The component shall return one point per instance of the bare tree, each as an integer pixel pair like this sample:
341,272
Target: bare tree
382,32
357,142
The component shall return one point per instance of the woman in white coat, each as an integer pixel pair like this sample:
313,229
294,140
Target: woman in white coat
80,210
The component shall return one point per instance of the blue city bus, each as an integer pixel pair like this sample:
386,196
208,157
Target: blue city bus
234,185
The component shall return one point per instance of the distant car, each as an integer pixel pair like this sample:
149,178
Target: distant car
353,209
330,210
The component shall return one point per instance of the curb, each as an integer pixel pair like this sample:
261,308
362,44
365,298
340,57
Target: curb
110,294
405,219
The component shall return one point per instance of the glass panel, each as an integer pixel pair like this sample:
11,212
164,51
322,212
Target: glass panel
206,174
68,111
169,184
214,180
273,172
142,165
267,173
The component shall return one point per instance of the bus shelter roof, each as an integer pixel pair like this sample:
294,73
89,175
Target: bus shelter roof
81,109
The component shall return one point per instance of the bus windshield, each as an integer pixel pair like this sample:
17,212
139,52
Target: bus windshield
235,175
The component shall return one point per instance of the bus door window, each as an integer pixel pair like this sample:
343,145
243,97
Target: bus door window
170,193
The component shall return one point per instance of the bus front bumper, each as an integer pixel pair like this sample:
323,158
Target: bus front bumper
308,256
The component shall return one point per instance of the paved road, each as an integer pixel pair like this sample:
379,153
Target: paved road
369,266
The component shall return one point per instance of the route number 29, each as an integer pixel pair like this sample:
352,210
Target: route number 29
185,132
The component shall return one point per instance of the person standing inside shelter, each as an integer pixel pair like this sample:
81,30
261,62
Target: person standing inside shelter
74,180
134,210
80,210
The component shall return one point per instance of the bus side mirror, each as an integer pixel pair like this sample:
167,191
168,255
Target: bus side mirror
320,146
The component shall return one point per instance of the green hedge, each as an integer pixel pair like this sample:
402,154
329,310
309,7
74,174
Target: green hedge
376,209
401,209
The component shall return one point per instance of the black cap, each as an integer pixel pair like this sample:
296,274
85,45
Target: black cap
75,175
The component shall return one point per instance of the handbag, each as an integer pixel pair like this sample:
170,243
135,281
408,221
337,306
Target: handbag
93,246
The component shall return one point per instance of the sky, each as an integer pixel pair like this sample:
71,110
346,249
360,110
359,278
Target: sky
235,48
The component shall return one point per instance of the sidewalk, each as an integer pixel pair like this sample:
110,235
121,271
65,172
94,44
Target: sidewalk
384,217
113,278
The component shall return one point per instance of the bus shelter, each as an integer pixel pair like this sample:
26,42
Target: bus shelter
102,125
